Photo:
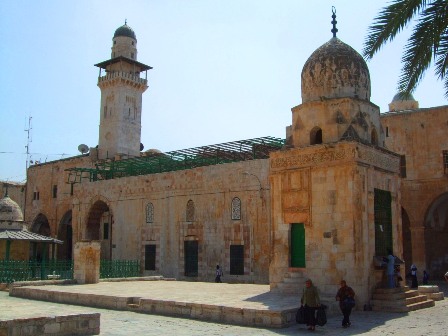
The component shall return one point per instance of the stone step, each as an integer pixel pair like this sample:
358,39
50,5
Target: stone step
420,305
391,290
133,306
394,295
435,296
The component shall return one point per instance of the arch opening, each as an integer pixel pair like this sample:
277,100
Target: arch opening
99,227
65,233
316,136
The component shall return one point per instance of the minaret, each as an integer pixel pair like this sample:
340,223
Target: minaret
121,98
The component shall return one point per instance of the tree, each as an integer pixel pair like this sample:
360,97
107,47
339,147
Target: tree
428,41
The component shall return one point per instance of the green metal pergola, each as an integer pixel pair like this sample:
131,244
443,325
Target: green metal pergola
155,162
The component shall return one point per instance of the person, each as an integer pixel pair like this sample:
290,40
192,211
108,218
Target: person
425,277
390,269
343,293
310,300
218,274
414,282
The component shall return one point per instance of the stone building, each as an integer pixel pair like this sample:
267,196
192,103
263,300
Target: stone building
322,203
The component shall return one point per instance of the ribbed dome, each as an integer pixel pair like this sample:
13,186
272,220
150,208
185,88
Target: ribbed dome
126,31
335,70
401,96
10,210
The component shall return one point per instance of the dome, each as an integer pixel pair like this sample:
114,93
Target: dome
335,70
10,210
401,96
125,31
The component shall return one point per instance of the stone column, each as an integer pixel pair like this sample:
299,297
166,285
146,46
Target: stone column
87,262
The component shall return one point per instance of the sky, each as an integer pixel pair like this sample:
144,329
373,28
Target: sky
222,70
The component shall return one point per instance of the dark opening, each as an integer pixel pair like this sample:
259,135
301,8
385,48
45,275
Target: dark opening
150,257
237,259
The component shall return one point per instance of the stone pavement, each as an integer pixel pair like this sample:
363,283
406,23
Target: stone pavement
431,321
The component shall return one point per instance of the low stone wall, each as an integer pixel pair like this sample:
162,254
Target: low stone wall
75,324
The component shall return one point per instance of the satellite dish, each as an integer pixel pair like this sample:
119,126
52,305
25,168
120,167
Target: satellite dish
142,147
83,148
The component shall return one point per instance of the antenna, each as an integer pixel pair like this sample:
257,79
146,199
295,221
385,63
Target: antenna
84,149
28,140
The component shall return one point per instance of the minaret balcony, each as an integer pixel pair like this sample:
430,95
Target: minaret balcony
122,76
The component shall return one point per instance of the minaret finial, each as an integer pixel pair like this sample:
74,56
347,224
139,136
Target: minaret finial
334,30
125,22
6,185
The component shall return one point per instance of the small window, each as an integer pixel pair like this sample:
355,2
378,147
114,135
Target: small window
115,42
106,231
190,211
105,111
374,138
445,161
36,196
132,55
129,112
236,209
132,42
403,165
55,191
315,136
150,257
149,213
237,259
387,132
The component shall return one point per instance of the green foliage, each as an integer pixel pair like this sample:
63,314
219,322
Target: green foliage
429,39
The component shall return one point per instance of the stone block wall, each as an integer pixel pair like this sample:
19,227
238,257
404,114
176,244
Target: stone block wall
87,262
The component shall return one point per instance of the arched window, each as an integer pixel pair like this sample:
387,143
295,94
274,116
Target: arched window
236,208
316,136
190,211
149,213
374,137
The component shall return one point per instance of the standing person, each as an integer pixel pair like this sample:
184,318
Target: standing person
310,299
390,269
414,283
425,277
342,295
218,274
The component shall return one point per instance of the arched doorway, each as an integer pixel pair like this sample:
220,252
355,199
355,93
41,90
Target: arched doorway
316,136
65,233
41,226
436,236
407,237
99,227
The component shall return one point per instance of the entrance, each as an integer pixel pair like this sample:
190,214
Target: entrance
297,245
191,258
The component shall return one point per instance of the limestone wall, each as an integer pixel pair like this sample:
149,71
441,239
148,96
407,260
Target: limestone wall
212,190
331,191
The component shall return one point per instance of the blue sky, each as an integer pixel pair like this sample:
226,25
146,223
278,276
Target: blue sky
223,70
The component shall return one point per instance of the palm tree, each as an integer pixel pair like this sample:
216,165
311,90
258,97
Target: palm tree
429,39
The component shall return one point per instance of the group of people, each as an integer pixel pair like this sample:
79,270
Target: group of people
311,302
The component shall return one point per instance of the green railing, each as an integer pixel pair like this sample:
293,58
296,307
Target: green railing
119,268
21,270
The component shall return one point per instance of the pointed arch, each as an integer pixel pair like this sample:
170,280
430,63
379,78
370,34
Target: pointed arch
374,137
65,233
316,136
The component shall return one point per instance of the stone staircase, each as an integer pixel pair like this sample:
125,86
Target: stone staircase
292,283
399,300
431,291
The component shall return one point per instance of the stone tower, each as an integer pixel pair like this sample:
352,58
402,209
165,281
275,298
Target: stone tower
121,98
334,187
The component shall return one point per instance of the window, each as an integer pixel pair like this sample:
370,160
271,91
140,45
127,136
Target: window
106,231
132,55
387,132
105,111
445,161
237,259
149,213
236,209
55,191
403,165
315,136
383,222
150,257
374,137
36,196
190,211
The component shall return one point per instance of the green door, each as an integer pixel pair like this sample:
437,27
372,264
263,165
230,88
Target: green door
297,246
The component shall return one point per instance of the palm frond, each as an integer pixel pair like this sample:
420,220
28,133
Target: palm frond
423,44
391,20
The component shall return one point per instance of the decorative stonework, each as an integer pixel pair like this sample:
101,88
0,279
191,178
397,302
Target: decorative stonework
356,152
